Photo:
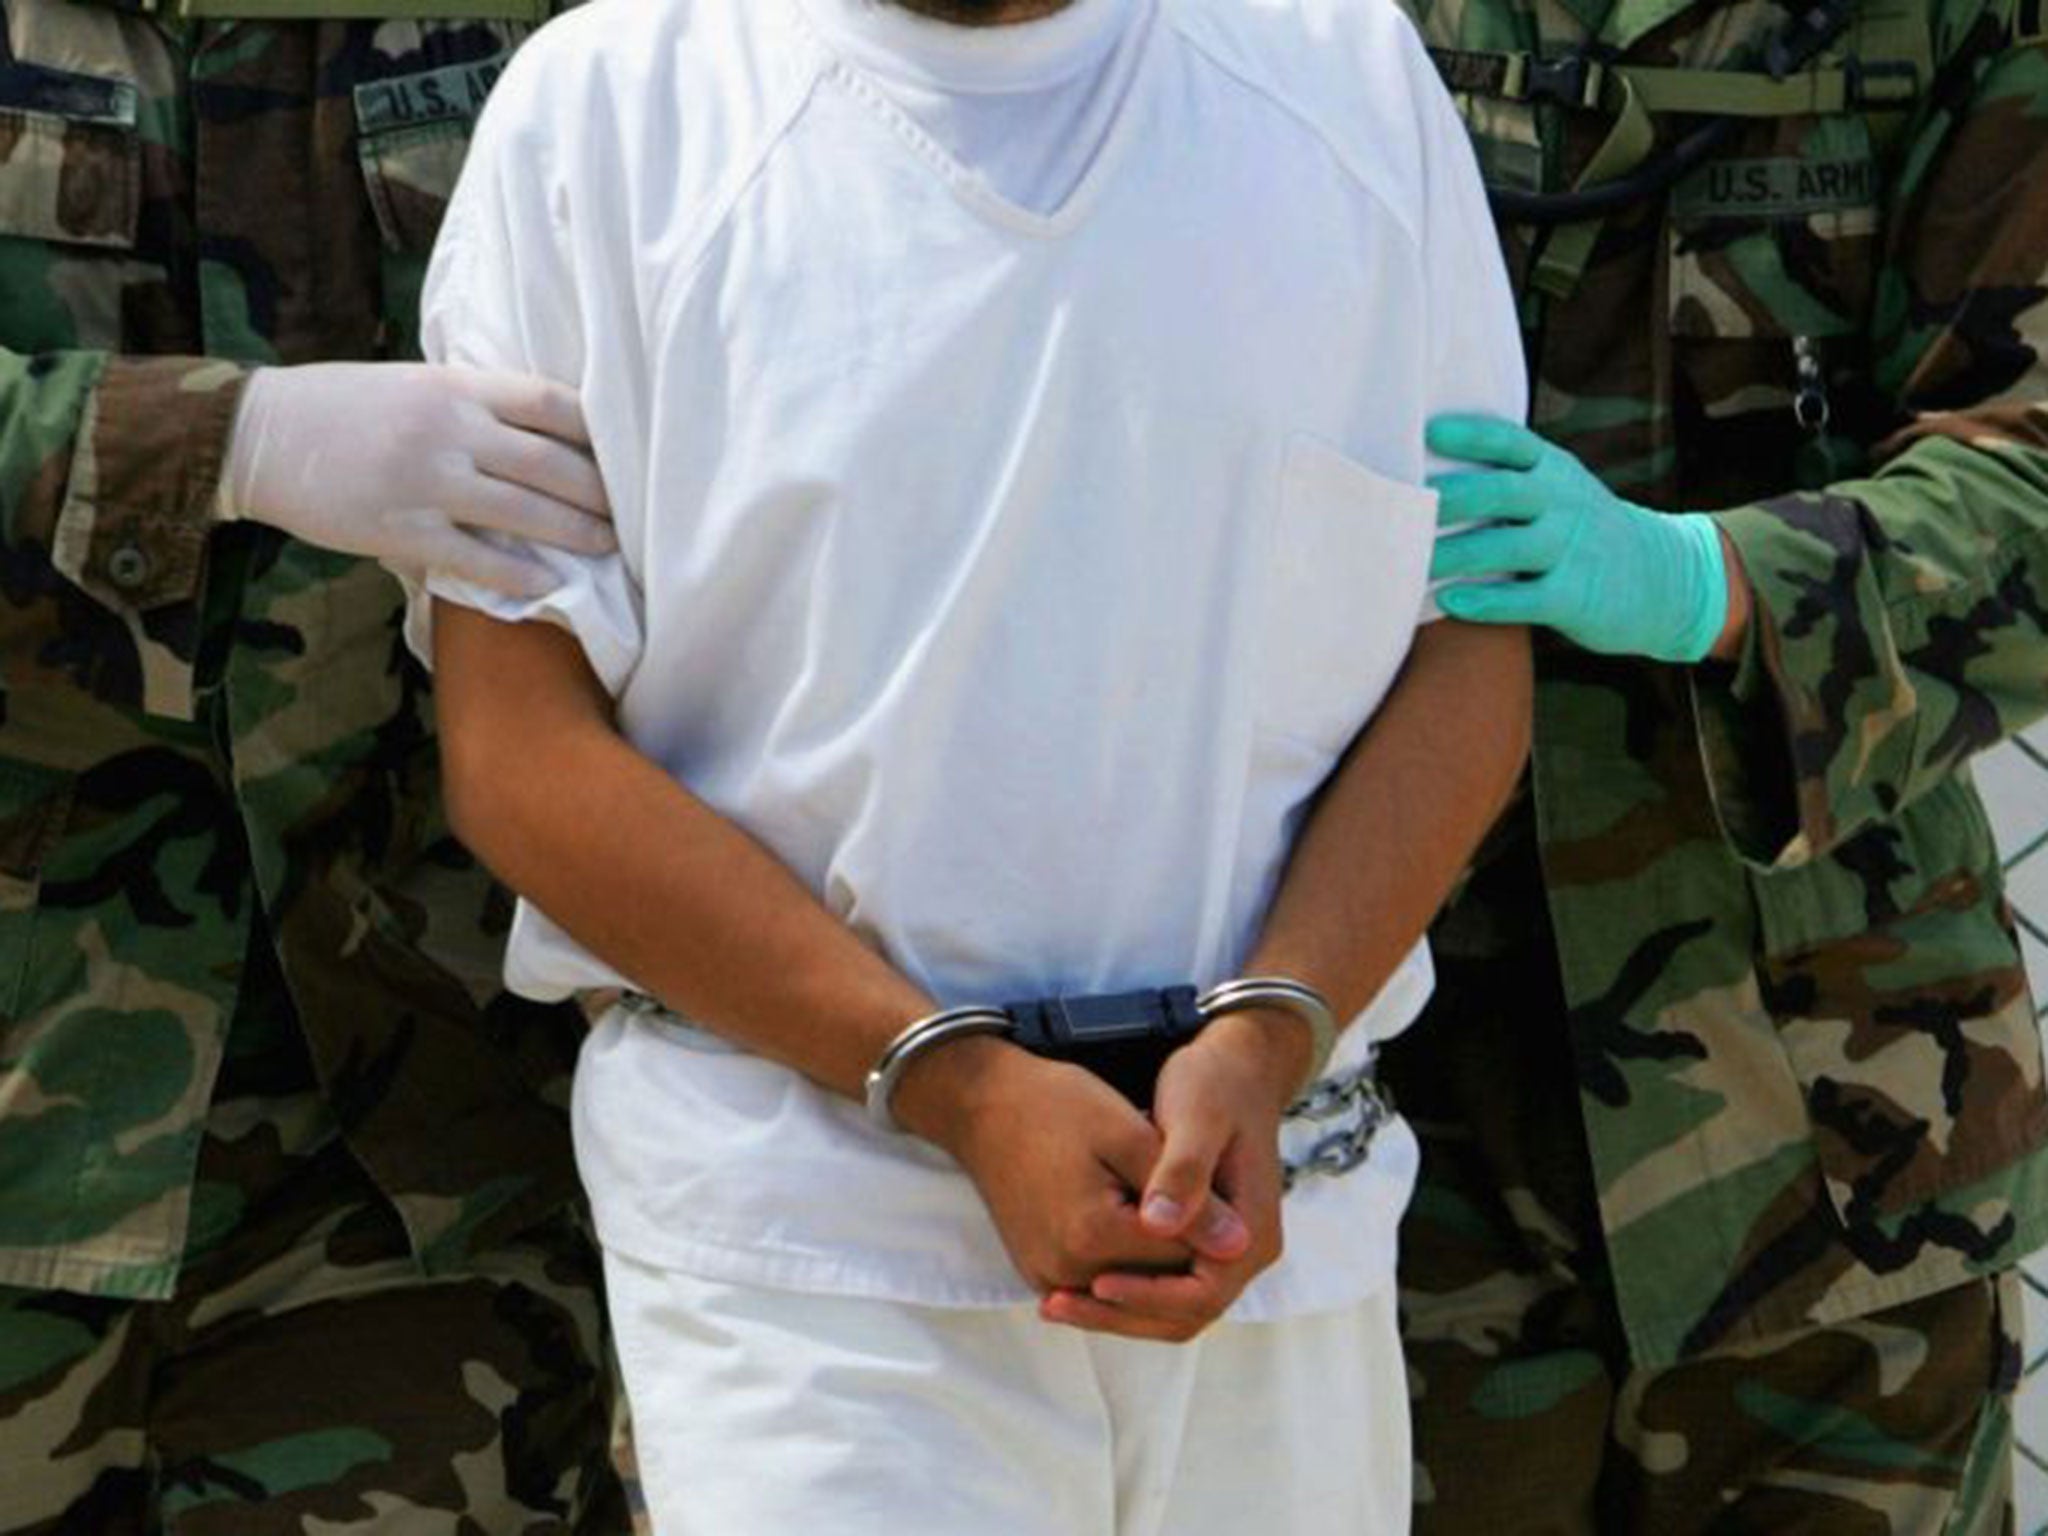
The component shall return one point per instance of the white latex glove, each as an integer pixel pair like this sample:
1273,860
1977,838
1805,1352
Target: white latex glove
410,462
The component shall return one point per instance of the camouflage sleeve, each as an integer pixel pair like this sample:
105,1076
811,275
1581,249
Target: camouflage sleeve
108,468
1901,621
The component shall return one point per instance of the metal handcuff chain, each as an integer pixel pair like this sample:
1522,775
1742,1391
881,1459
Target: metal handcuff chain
1355,1092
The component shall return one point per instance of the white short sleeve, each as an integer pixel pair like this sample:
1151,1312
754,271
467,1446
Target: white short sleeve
501,293
1476,361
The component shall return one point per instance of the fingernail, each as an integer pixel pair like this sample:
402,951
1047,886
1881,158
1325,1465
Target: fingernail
1223,1225
1161,1211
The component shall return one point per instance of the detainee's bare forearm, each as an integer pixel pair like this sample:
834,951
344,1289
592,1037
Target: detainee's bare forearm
1401,816
640,871
672,894
669,892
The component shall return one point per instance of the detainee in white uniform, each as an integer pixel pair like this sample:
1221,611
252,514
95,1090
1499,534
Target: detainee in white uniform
1015,440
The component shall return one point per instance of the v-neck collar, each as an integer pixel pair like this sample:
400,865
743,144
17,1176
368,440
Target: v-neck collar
890,40
863,81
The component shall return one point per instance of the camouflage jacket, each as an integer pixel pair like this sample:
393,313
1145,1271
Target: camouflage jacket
1810,1070
217,765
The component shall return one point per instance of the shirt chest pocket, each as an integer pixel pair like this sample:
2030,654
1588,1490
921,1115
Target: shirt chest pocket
1346,583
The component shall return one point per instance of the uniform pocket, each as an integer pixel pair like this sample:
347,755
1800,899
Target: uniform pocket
1747,279
412,135
1770,280
1347,582
410,173
1884,873
1895,976
413,131
1778,239
70,157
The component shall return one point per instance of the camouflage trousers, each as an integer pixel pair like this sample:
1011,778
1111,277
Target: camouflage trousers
1530,1416
306,1377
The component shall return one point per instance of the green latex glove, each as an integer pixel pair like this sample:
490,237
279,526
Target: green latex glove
1566,552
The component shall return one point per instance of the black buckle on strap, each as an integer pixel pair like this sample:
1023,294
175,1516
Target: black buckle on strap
1124,1038
1880,86
1563,80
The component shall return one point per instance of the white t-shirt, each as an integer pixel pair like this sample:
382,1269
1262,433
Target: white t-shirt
1015,576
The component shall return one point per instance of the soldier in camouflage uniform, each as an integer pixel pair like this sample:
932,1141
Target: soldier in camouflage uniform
1732,1096
287,1227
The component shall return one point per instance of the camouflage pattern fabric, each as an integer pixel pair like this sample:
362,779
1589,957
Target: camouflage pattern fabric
1803,1064
305,1378
1807,1063
220,826
213,734
1531,1417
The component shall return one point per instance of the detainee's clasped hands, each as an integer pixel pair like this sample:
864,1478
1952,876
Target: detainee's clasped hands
1215,1186
1147,1227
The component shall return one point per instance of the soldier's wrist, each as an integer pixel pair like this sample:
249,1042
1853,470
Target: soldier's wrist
1698,592
1728,645
245,431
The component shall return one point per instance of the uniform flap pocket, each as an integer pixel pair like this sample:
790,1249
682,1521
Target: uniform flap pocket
70,157
414,133
1731,282
1347,583
1909,1028
1779,240
410,174
1886,872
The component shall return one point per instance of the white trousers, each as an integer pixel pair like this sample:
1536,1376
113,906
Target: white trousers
777,1413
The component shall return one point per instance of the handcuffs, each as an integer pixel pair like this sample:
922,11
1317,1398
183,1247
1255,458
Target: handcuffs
1125,1038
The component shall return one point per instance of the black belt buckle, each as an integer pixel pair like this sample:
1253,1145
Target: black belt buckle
1124,1038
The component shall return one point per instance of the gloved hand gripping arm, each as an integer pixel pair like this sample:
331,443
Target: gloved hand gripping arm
1898,617
418,465
111,482
1534,537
